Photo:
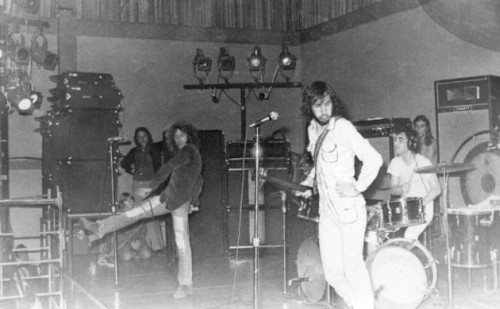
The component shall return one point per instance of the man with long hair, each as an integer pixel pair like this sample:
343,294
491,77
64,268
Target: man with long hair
333,143
142,163
183,173
427,142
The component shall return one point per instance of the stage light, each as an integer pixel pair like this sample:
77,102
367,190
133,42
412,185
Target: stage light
29,6
25,101
226,64
257,64
201,65
40,54
287,63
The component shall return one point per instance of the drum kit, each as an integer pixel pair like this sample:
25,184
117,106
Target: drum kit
403,272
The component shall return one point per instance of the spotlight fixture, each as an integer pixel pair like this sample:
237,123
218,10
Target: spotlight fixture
17,51
226,64
257,64
29,6
287,63
40,54
201,65
24,100
27,105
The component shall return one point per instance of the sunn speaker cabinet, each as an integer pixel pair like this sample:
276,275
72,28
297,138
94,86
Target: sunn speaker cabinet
467,110
241,190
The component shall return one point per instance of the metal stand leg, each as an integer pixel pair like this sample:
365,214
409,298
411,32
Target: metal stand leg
447,237
283,211
495,270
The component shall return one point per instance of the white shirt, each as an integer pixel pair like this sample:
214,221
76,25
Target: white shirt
335,162
419,184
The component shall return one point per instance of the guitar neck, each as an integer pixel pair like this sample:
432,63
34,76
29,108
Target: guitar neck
288,184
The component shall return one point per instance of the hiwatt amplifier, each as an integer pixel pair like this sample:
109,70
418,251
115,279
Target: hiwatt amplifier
380,127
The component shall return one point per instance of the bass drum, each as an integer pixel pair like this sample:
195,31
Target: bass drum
309,267
403,274
484,181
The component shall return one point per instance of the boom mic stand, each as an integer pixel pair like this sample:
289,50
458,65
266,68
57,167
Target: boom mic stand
256,239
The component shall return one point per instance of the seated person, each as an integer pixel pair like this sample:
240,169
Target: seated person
132,239
405,182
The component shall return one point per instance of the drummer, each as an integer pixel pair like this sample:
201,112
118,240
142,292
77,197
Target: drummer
405,182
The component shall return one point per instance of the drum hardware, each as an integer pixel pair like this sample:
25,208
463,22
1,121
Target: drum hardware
445,169
309,209
310,271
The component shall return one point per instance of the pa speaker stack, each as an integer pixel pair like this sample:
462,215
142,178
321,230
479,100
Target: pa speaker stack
467,118
75,155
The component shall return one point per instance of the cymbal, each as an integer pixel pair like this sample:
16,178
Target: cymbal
445,167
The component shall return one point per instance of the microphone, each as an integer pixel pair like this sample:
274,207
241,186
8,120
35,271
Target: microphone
121,138
271,116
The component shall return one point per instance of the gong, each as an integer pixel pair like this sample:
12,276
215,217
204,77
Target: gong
484,181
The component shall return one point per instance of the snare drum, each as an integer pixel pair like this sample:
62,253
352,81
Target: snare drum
402,212
309,209
470,242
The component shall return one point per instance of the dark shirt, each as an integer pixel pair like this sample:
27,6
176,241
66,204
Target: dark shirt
183,172
152,157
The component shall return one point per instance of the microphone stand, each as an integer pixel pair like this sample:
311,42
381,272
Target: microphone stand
112,144
256,239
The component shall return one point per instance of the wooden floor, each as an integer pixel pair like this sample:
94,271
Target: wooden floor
224,282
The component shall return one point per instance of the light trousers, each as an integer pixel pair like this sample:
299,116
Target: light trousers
154,207
341,247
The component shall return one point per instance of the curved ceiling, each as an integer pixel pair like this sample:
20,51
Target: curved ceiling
474,21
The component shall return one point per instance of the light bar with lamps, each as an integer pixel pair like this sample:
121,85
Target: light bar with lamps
257,64
287,63
201,65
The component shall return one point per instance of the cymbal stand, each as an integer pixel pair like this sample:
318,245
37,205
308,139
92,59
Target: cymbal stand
256,240
444,206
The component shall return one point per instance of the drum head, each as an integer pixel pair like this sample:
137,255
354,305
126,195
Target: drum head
484,181
309,266
398,276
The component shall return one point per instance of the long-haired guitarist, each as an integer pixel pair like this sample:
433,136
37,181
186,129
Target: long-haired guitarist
333,143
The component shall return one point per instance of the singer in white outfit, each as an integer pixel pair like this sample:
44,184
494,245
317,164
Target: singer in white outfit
334,142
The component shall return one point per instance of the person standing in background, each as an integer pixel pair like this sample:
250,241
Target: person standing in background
426,141
142,164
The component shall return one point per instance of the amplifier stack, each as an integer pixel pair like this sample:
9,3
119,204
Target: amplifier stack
85,113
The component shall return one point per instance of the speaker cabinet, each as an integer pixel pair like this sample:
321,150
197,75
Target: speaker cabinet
270,227
207,225
379,189
240,218
467,109
85,184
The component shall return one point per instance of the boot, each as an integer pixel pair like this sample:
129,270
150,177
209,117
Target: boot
92,229
183,291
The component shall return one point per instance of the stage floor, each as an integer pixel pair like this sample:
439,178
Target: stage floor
151,284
